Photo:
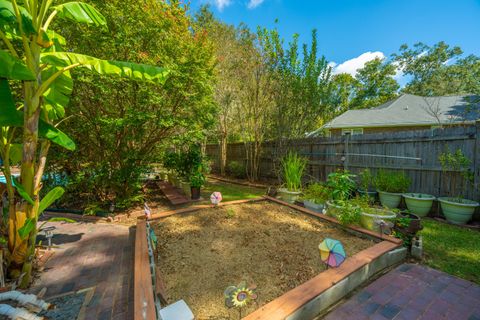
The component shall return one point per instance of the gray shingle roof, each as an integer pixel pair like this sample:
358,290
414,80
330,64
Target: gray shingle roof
411,110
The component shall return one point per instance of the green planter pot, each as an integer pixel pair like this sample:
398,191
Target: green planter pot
288,196
368,220
458,211
316,207
333,209
389,199
419,203
371,194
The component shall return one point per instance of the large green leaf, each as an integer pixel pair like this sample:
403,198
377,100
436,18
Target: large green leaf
57,96
9,115
28,227
81,12
48,131
118,68
21,191
8,17
50,198
14,68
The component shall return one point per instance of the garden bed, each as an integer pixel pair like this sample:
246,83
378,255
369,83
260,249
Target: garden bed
266,244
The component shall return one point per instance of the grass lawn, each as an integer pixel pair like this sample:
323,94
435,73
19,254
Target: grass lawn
452,249
230,191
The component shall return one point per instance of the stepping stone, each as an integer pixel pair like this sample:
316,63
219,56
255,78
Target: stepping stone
177,311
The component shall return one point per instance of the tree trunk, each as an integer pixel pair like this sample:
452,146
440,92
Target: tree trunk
223,154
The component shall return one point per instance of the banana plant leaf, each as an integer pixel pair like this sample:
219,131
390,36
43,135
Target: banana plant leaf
14,68
80,12
8,17
58,94
52,196
118,68
55,135
9,115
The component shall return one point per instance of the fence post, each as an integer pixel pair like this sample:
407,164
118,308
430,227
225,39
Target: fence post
476,162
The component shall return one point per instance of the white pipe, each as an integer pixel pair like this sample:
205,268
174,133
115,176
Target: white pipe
17,313
25,299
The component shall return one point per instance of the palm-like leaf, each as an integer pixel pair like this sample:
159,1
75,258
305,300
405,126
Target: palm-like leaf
117,68
9,115
14,68
80,12
57,96
8,17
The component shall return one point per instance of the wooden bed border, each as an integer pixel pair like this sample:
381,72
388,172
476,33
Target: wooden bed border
279,308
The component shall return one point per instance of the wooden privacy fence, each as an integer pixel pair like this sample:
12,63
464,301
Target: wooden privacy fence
414,152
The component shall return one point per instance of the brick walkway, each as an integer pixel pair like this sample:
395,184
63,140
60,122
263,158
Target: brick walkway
413,292
92,256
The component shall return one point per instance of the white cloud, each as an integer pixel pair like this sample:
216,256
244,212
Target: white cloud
252,4
351,66
221,4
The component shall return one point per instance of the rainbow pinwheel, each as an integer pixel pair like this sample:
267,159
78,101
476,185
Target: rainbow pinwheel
332,252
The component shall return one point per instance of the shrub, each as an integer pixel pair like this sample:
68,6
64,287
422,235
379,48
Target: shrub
366,180
236,169
342,184
293,167
394,182
317,193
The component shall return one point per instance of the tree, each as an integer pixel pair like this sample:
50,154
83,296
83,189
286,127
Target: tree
343,90
32,54
427,66
227,47
376,84
124,131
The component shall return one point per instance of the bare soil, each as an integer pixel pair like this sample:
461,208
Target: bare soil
271,246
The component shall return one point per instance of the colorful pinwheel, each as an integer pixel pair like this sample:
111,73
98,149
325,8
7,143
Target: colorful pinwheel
332,252
215,198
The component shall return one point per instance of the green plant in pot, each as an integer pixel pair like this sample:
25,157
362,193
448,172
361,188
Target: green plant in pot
346,212
293,167
315,196
197,181
372,217
419,203
455,209
366,186
342,185
390,187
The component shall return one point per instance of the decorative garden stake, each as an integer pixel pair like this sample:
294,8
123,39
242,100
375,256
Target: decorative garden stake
216,198
239,296
384,226
148,212
332,252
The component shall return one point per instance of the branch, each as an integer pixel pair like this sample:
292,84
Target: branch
49,19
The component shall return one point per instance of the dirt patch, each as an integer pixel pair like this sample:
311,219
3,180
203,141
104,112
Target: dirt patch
272,246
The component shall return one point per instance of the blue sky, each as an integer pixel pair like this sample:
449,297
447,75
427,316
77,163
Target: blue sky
360,29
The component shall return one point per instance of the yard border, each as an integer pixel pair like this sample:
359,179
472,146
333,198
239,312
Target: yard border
323,290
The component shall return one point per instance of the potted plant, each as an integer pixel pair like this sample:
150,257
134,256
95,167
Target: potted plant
293,167
408,223
342,184
346,212
419,203
366,185
371,217
455,209
315,196
197,180
390,187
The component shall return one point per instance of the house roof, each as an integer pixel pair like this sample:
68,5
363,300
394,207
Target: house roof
411,110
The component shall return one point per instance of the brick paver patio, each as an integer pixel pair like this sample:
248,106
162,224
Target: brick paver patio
98,257
413,292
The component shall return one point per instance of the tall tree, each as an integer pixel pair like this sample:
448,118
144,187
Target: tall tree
31,53
343,90
376,84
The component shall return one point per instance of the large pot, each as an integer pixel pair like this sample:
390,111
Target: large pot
195,192
458,211
288,196
371,194
414,224
389,199
369,220
311,205
419,203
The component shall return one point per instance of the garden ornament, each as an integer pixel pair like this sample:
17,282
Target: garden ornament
148,212
49,235
385,226
332,252
216,198
239,296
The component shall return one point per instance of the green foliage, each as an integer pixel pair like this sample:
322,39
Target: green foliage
53,195
80,12
342,184
197,180
27,228
236,169
456,161
349,212
230,213
293,167
317,193
394,182
366,180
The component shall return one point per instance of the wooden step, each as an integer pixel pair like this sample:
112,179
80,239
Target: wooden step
174,195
